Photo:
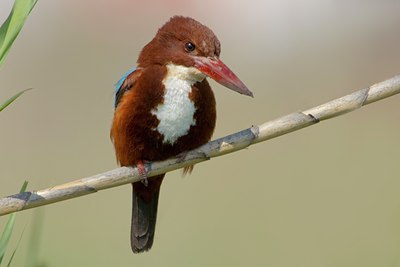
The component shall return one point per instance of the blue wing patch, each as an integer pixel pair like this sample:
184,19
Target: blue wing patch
119,84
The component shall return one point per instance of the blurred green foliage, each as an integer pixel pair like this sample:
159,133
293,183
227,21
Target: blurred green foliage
13,25
11,99
6,235
8,33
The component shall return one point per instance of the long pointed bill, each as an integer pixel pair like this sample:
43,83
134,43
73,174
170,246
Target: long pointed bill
219,72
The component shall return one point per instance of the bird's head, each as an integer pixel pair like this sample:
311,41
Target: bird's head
185,42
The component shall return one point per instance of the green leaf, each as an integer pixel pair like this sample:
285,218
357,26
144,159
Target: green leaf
11,99
15,250
13,25
5,236
32,255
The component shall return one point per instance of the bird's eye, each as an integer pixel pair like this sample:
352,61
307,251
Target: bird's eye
189,47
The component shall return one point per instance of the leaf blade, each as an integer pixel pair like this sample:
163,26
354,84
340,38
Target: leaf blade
15,249
13,25
11,99
6,235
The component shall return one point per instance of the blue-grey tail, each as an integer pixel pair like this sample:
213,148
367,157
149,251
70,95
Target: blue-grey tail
144,214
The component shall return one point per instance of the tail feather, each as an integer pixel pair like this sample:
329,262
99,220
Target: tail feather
144,214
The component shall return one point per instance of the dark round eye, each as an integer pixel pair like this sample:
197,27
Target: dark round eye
189,47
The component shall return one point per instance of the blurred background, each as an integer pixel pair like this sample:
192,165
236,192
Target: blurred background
327,195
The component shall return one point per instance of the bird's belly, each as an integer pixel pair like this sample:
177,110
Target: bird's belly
176,113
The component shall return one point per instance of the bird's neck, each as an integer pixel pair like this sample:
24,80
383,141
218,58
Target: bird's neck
189,74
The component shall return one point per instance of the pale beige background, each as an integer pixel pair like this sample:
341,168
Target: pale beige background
327,195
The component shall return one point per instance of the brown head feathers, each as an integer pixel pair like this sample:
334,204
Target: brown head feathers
169,44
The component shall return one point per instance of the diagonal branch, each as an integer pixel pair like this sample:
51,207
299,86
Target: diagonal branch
219,147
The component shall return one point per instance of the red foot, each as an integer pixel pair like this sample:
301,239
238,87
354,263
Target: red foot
142,172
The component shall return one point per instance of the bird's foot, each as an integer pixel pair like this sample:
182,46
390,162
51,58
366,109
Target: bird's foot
142,172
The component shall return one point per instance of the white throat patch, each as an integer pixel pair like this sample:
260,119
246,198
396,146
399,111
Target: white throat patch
176,113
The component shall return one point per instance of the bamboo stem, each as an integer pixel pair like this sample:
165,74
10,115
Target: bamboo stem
218,147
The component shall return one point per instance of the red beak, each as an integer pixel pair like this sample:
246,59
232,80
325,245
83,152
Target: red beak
219,72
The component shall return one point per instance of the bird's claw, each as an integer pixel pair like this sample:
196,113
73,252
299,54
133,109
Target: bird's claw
144,181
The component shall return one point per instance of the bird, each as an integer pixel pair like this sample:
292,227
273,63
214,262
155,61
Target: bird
164,107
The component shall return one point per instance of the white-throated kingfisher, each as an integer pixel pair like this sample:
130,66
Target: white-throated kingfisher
165,107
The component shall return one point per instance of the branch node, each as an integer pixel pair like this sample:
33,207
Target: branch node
315,119
255,130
